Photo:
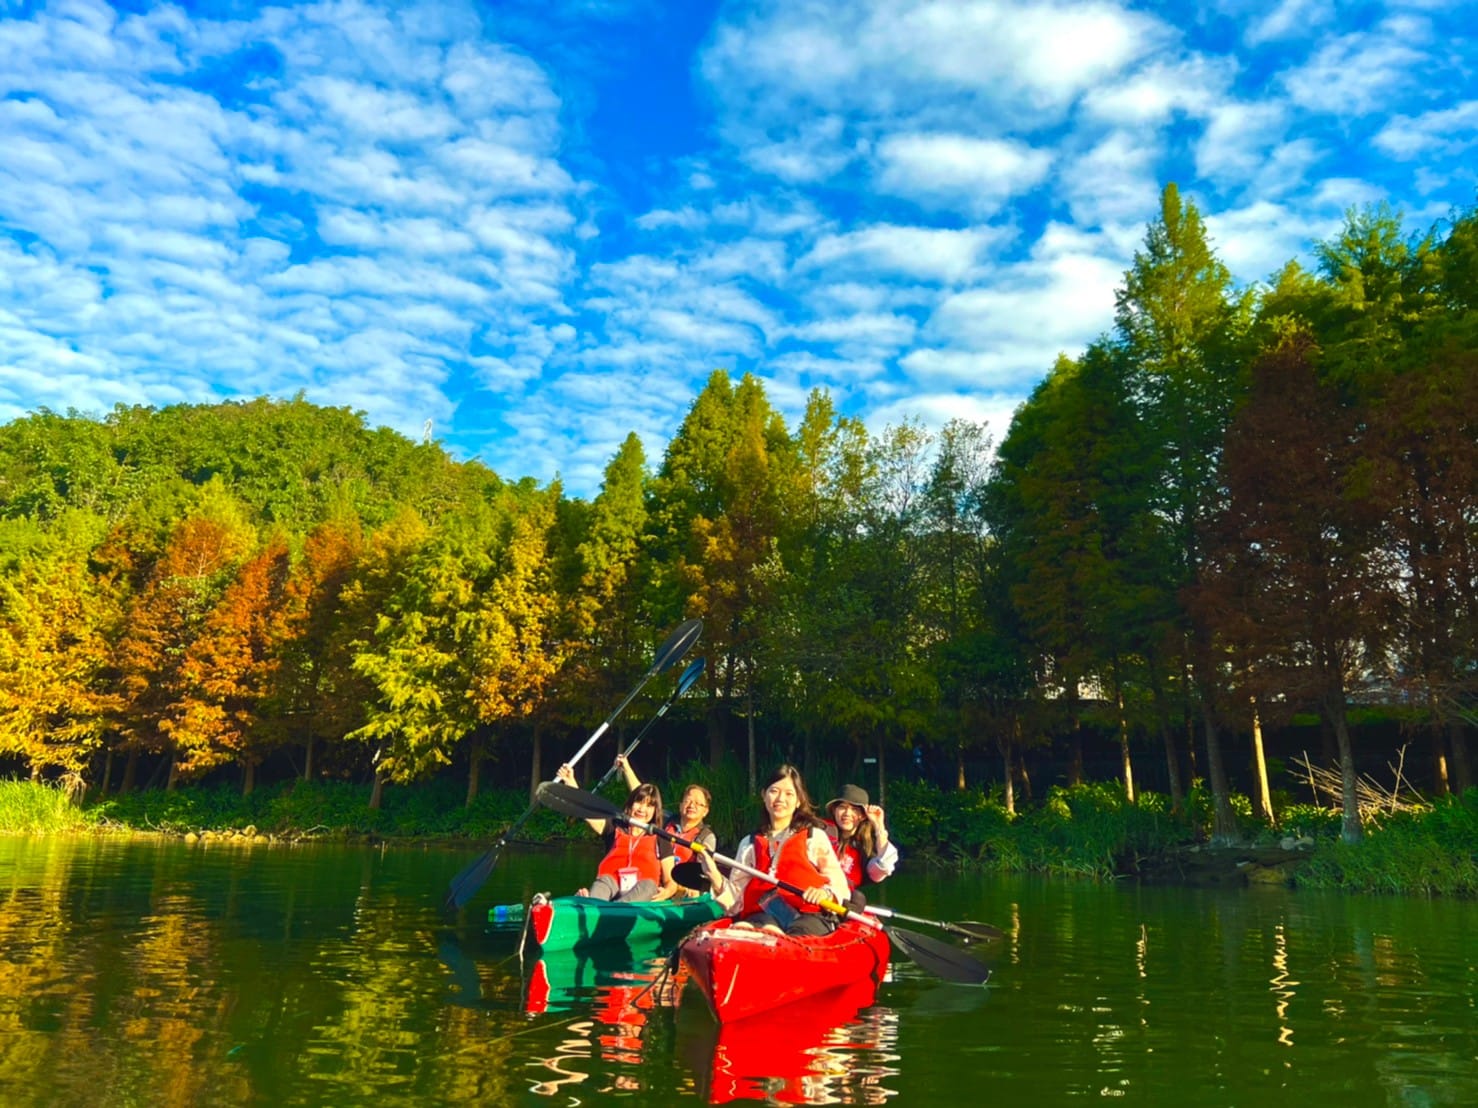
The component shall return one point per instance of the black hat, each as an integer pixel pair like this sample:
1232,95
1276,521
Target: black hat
851,794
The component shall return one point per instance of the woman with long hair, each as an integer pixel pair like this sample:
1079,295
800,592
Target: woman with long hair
638,863
791,845
860,835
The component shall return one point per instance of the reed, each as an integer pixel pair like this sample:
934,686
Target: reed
37,807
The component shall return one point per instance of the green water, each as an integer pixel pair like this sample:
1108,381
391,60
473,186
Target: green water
144,973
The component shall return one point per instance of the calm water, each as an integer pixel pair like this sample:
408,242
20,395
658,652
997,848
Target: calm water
141,973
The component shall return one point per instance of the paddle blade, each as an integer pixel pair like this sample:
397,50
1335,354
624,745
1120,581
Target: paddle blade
683,636
574,802
940,959
689,676
690,875
465,885
975,931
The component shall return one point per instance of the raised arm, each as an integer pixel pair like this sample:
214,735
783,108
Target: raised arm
882,864
627,773
566,775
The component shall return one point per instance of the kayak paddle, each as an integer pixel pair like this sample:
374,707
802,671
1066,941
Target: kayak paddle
690,675
465,884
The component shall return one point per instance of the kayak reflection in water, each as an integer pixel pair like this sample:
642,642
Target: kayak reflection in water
638,864
691,821
791,845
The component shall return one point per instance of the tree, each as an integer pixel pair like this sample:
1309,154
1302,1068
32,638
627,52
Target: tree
1295,580
231,670
163,710
717,517
1183,333
56,625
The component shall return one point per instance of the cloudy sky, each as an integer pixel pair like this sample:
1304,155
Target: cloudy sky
539,225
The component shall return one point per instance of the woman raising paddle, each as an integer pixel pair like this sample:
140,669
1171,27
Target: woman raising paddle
691,821
638,864
790,845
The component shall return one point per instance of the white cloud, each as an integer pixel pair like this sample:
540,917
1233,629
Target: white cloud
1238,135
885,251
1289,19
1360,73
957,171
1444,131
343,219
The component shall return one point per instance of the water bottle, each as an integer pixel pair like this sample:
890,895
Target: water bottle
506,914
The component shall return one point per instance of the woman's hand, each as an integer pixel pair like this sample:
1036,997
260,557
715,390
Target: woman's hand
566,775
880,830
817,893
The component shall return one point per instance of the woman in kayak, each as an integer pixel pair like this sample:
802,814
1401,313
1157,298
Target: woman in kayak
790,845
860,836
638,863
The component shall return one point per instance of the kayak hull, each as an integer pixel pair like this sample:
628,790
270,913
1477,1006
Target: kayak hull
742,972
581,922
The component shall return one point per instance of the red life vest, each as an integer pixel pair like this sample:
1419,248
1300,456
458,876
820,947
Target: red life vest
794,866
638,852
683,853
854,865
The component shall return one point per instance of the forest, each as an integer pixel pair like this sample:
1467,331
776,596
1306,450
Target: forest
1241,512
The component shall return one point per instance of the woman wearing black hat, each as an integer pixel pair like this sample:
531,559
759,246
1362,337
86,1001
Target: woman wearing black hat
860,836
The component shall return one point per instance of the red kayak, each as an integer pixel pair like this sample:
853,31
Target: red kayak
743,971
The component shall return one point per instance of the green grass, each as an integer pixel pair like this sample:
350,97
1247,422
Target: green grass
31,807
1432,852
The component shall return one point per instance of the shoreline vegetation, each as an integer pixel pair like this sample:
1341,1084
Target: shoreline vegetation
1085,831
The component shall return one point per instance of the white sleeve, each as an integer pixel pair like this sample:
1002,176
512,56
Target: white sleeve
883,863
737,880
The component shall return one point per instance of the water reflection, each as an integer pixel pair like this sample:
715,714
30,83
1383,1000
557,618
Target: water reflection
839,1049
161,974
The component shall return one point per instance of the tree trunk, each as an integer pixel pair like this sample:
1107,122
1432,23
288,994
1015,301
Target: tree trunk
248,778
536,768
1260,769
1009,797
130,772
716,736
377,792
1124,750
1462,773
754,772
308,757
107,772
882,775
1224,830
1075,747
174,776
1026,778
1350,830
474,768
960,766
1437,736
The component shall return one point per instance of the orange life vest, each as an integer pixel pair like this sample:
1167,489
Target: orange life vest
794,866
628,851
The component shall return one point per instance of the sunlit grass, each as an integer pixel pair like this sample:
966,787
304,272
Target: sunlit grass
32,807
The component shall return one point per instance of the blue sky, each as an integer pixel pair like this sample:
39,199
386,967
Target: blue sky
542,225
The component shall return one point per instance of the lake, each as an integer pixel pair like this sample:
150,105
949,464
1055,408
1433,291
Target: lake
153,973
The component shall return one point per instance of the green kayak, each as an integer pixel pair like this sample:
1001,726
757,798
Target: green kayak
576,922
